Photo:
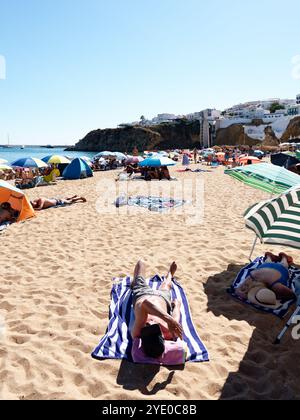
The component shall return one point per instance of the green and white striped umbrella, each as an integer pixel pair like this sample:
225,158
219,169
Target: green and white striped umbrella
266,177
277,221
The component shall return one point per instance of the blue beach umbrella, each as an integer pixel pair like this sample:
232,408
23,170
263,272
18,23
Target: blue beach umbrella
29,163
157,162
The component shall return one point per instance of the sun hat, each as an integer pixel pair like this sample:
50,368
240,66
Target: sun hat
264,297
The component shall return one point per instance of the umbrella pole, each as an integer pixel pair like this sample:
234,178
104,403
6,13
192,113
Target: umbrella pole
286,328
253,248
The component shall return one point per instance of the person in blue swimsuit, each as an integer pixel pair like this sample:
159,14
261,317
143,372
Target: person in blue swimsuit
274,274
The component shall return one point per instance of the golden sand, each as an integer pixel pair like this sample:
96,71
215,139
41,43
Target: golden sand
55,286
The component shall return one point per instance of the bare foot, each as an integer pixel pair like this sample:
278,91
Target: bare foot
286,257
271,257
140,269
173,269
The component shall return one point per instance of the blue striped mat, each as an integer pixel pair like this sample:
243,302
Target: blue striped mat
244,273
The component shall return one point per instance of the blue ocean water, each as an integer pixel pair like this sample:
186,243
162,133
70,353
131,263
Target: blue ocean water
13,153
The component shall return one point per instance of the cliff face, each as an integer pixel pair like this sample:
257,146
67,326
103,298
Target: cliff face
177,134
234,135
293,130
270,138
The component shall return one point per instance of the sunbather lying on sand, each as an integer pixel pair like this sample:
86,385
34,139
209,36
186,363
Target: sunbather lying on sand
46,203
156,316
274,274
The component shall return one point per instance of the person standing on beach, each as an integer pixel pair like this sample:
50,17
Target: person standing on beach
195,155
157,317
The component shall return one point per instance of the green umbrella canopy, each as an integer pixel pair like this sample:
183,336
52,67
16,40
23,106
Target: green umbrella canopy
265,177
277,221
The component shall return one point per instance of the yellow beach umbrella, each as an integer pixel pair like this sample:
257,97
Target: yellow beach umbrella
56,160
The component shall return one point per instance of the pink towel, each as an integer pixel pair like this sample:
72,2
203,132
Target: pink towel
175,354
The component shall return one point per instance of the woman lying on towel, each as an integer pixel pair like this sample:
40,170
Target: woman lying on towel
274,274
156,316
45,203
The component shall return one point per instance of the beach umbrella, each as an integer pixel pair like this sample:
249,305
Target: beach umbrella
156,162
159,154
134,159
119,156
277,221
247,159
56,160
265,177
5,167
104,155
29,163
3,162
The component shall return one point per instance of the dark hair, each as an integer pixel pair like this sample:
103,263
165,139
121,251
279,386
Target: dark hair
153,343
6,206
13,213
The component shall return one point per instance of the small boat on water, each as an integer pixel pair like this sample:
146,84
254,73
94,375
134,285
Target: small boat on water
48,147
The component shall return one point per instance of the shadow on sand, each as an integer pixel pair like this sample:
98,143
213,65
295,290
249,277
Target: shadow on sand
266,371
139,377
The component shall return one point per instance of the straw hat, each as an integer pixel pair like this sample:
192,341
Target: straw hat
263,297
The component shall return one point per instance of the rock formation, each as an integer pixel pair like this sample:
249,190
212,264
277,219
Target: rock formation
176,134
292,131
234,135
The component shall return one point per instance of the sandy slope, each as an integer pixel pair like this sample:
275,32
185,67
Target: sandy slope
54,294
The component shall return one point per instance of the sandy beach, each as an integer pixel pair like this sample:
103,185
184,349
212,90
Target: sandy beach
56,272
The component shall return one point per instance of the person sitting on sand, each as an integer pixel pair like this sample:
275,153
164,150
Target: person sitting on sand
157,317
274,274
8,214
164,173
45,203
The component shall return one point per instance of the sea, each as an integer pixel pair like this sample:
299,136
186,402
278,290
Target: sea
13,153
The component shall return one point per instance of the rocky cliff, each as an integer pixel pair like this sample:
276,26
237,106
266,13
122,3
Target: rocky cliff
292,131
235,135
177,134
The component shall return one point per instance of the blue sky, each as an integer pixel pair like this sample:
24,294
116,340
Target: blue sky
77,65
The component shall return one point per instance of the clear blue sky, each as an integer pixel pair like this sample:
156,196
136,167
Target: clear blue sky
78,65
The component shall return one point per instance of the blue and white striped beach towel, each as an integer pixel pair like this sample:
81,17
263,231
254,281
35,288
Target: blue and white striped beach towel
117,342
244,273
